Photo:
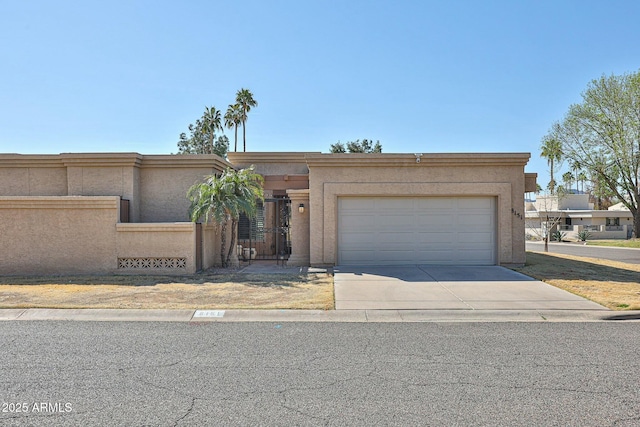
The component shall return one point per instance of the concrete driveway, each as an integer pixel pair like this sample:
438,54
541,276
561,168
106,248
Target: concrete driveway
428,287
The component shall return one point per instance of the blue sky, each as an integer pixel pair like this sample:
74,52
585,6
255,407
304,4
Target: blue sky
420,76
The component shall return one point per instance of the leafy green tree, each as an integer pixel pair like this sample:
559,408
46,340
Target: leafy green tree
599,192
602,133
232,119
244,98
551,150
366,146
220,199
202,137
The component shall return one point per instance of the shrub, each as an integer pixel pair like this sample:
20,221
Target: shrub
584,235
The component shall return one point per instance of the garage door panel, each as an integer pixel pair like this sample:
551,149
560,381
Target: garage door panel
352,221
437,237
442,203
478,238
358,238
418,230
475,203
391,237
389,221
436,257
477,257
428,219
389,204
396,255
361,203
479,219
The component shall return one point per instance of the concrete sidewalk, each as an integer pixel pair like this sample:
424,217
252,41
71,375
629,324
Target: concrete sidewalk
426,287
359,316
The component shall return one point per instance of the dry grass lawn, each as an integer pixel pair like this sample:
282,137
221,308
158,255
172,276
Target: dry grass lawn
613,284
200,291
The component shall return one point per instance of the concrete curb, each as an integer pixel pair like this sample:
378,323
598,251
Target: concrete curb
354,316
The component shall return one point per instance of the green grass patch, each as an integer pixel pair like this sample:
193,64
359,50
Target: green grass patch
632,243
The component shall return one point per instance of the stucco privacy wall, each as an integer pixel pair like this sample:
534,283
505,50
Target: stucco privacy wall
156,247
80,234
33,175
164,181
58,235
155,185
499,175
210,246
59,213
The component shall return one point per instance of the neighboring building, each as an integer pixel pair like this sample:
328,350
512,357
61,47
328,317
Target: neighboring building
573,213
126,212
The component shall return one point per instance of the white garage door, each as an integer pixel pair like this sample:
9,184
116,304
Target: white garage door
416,230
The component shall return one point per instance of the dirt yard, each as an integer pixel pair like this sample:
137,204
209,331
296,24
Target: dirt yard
200,291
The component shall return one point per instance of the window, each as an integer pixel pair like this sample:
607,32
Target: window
613,221
252,229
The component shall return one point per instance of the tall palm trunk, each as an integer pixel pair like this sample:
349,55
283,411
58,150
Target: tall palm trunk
244,137
235,145
234,227
223,244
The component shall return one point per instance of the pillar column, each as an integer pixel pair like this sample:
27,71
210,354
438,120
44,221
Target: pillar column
299,228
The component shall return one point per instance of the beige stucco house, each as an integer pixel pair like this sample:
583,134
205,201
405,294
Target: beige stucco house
572,214
126,212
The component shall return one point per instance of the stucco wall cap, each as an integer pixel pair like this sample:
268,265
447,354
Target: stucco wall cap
298,193
114,160
30,161
59,202
155,227
409,159
185,161
101,159
267,157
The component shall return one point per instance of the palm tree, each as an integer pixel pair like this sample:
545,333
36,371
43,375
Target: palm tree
244,98
223,198
567,178
246,186
210,124
551,150
210,201
576,166
232,118
582,177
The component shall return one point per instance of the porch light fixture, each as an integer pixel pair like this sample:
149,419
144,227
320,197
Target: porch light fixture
301,208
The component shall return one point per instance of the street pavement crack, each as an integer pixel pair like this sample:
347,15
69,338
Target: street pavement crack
285,405
187,413
634,420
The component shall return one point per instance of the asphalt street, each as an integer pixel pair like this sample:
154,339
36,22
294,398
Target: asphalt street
631,256
175,374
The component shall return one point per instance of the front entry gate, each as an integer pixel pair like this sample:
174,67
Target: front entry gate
267,236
